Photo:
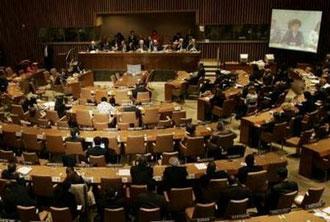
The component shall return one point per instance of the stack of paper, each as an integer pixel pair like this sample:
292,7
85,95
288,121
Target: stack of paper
25,170
124,172
200,166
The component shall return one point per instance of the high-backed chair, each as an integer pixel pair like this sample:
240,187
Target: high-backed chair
237,209
55,145
192,147
101,117
211,192
143,97
31,143
99,93
122,96
128,117
84,119
162,124
257,181
98,161
151,117
180,198
167,155
86,94
201,211
61,214
7,155
42,186
177,116
279,133
147,215
29,213
30,158
298,142
135,145
117,214
312,196
226,110
115,183
74,149
164,143
11,141
135,190
53,117
284,202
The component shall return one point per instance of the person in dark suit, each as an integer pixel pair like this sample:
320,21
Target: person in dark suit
235,191
15,194
150,199
218,98
283,187
97,150
200,74
142,173
72,176
175,176
74,136
308,105
293,36
10,173
132,41
212,173
250,167
64,198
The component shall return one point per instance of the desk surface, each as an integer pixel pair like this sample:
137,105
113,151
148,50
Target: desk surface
322,147
294,216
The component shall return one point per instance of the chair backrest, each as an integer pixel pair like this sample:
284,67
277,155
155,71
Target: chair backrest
30,142
226,141
55,144
211,191
11,140
101,117
286,200
97,161
3,185
177,116
52,116
135,145
122,126
122,96
312,196
143,97
167,156
30,157
128,117
84,118
147,215
237,209
204,210
61,214
113,144
164,123
151,116
100,125
135,190
306,137
181,198
164,143
42,186
17,110
7,155
99,94
228,107
115,183
86,93
117,215
16,119
257,181
272,169
280,131
27,213
74,148
195,146
185,121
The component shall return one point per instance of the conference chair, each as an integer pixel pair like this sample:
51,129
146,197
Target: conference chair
61,214
178,94
177,116
226,110
180,198
43,123
310,120
84,119
149,214
18,110
115,183
86,94
11,140
31,143
128,117
257,181
122,96
143,97
310,198
185,122
323,164
134,190
122,126
7,155
97,161
211,192
42,186
101,117
164,143
30,158
322,132
298,142
135,145
163,124
284,203
192,147
55,145
53,117
236,209
279,134
167,155
3,184
150,117
201,211
99,93
30,213
117,214
74,149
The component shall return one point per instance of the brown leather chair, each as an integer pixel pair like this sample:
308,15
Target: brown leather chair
61,214
135,145
30,158
134,190
31,143
18,110
55,145
180,198
11,140
200,211
128,117
101,117
7,155
151,117
192,147
29,213
237,209
312,196
97,161
86,94
84,119
257,181
285,202
122,126
74,149
53,117
115,183
323,164
279,134
164,143
163,124
117,215
167,155
226,110
42,186
211,192
272,169
100,125
99,93
147,215
143,97
177,116
298,142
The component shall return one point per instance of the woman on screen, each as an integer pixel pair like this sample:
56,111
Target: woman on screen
293,37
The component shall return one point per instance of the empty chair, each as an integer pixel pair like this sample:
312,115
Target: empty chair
285,202
122,126
53,117
193,147
147,215
42,186
237,209
55,145
135,145
177,116
164,143
86,94
162,124
122,96
29,213
226,110
7,155
114,145
201,211
98,161
257,181
100,126
11,140
31,143
278,134
84,119
30,158
117,215
167,155
323,164
180,198
151,116
311,197
115,183
143,97
298,142
61,214
101,117
128,117
135,190
74,149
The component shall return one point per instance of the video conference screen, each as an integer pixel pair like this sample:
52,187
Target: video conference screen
295,30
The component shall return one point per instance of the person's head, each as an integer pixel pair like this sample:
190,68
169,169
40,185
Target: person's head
232,180
97,141
141,41
282,173
201,65
11,167
103,99
174,161
132,32
59,100
142,160
294,25
112,101
249,160
211,168
74,132
220,125
69,171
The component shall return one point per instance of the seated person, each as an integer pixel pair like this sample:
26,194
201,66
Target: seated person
72,176
10,173
64,198
218,98
74,136
308,105
212,173
193,80
150,199
283,187
141,173
97,150
235,191
250,167
251,98
191,130
105,107
175,176
192,47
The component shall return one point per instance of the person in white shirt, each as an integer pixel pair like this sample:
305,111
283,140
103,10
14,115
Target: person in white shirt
105,107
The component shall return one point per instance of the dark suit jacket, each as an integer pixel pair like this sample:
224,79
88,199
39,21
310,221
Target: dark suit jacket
175,177
141,174
277,190
96,151
243,172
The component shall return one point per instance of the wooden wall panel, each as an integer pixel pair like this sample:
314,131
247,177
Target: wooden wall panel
20,20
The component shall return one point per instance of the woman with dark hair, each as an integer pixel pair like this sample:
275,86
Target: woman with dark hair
293,37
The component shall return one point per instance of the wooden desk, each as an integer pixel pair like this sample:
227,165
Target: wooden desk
294,216
83,80
129,80
311,151
178,82
161,60
96,173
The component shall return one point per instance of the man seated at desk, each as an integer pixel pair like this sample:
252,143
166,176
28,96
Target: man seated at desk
141,47
105,107
195,77
192,47
132,41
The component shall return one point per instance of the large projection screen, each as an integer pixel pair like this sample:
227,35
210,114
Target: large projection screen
295,30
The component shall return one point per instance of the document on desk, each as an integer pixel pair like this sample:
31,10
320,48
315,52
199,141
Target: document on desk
124,172
200,166
25,170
